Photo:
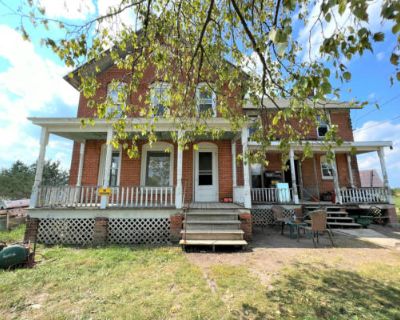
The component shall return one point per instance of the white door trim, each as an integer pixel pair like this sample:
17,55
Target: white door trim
200,192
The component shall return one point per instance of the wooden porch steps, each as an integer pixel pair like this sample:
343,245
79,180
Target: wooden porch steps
212,227
337,217
213,242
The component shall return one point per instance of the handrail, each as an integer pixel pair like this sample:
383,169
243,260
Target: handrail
272,195
364,195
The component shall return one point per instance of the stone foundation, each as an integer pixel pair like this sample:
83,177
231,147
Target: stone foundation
100,231
246,225
176,224
32,229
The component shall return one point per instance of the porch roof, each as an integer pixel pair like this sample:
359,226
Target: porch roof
72,128
319,146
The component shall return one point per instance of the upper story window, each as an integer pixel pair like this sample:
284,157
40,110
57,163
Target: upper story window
323,127
326,168
159,98
206,100
116,92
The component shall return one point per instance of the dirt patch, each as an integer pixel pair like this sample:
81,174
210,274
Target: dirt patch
269,253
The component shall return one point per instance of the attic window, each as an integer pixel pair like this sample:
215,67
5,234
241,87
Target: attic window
323,127
206,100
116,92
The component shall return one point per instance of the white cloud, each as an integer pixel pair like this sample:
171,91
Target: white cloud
114,24
381,131
380,56
75,9
29,86
312,35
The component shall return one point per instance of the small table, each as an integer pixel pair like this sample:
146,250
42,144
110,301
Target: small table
294,226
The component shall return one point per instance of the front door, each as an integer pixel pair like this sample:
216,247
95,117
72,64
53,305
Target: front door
206,174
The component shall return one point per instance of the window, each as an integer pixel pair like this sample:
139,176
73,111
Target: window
326,168
322,128
114,168
256,175
205,168
117,94
157,161
158,168
206,100
159,98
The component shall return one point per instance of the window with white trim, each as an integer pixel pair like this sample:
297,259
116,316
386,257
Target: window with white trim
326,168
206,100
116,92
158,168
323,127
114,168
159,98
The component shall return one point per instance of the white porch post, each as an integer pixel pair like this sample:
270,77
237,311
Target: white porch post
293,174
179,161
246,169
106,179
350,170
44,139
336,179
381,154
80,168
234,179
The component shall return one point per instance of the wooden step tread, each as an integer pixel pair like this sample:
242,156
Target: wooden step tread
215,213
344,224
213,242
212,231
340,218
212,222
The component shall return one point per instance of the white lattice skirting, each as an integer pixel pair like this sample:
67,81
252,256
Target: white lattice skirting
66,231
138,230
264,216
120,231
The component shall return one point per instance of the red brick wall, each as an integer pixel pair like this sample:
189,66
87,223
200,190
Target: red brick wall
130,168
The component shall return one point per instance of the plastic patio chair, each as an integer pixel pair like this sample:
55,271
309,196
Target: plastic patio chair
279,217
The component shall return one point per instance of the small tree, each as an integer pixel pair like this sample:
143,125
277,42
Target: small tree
17,181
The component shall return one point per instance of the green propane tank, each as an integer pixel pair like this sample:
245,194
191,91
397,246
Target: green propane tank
13,255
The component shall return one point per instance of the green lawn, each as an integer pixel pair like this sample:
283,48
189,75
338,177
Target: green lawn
161,283
397,203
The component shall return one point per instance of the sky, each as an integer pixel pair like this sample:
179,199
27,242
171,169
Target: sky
32,85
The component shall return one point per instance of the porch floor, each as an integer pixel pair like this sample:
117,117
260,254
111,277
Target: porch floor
214,205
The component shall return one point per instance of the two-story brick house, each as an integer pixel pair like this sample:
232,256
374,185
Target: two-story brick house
112,198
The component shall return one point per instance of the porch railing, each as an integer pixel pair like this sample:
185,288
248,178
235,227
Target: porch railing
120,197
364,195
271,195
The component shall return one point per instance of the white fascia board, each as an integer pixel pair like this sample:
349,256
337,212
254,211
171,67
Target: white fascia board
359,146
101,125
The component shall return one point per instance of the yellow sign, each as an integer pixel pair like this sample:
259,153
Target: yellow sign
104,191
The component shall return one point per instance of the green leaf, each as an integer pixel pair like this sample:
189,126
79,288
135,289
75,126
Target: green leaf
394,59
347,75
379,36
398,76
396,28
326,87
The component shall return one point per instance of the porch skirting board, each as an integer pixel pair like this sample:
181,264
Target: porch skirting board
126,229
262,214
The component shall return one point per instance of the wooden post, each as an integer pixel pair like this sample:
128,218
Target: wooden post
234,179
316,177
246,169
381,154
300,179
44,139
293,176
336,179
80,167
106,179
179,162
350,170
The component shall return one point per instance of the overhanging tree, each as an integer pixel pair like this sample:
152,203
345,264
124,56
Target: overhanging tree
246,51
